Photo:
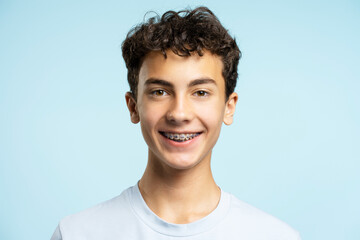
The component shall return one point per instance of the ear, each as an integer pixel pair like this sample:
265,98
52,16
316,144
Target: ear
230,108
131,104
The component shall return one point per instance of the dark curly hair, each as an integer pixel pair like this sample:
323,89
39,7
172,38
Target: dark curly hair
183,32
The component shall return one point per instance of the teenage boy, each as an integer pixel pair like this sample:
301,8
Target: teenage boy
182,71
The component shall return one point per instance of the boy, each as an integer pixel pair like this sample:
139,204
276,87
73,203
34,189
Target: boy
182,71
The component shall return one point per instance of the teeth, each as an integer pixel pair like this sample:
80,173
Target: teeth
180,137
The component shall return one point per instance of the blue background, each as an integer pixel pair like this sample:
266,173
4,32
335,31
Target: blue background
66,141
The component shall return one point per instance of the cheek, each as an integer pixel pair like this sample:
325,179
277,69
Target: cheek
212,115
149,117
147,123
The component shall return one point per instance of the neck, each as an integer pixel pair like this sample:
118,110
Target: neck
179,196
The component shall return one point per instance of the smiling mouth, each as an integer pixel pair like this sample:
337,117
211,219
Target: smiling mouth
179,137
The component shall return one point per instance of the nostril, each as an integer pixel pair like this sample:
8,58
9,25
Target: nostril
170,115
183,115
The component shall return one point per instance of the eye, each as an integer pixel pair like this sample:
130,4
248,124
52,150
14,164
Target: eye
201,93
158,93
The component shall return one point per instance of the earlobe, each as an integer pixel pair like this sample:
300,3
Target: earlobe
131,104
230,108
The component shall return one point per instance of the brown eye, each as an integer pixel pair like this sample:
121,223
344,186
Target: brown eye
158,93
201,93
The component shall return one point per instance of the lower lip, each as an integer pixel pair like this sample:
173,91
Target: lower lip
181,144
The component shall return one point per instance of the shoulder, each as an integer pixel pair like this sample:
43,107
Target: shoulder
254,222
104,209
96,218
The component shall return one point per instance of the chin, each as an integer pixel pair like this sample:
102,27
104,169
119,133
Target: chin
181,163
180,160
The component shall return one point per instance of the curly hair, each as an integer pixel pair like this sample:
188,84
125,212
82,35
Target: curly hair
182,32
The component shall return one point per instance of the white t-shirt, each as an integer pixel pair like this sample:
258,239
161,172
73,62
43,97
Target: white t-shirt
128,217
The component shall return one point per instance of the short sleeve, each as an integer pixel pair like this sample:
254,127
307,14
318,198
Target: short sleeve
57,234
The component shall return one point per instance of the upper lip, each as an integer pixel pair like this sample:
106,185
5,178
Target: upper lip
179,132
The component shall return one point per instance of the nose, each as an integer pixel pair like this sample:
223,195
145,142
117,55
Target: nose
180,110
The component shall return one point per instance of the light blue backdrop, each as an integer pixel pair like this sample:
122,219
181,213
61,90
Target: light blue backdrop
66,142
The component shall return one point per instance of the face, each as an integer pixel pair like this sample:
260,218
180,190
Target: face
181,107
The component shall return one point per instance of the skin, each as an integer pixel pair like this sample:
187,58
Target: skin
180,95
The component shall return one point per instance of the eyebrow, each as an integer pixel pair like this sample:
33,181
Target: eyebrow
191,84
201,81
158,82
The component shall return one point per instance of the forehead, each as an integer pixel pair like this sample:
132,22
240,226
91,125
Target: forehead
179,69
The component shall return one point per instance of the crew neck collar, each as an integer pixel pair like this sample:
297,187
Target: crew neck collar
177,230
